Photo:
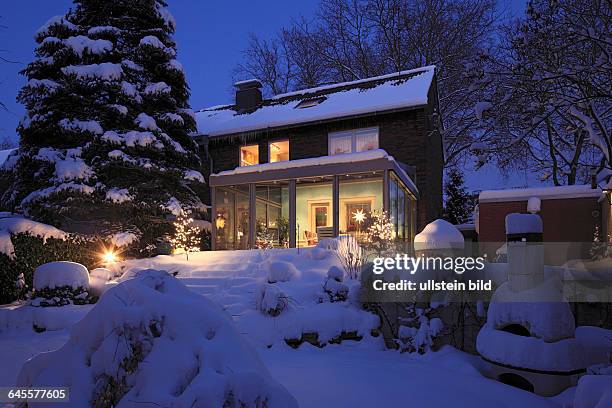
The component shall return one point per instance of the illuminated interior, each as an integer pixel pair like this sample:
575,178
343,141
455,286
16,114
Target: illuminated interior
249,155
279,151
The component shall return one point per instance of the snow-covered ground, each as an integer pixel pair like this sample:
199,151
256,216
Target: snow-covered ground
350,374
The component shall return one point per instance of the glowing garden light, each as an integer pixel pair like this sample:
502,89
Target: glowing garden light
109,257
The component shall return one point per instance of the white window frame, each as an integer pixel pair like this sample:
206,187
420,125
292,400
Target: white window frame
353,134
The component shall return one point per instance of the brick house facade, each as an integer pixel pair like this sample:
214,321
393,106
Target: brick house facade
409,133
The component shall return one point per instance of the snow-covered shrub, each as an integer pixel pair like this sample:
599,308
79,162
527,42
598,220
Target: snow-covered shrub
150,339
271,300
31,251
265,238
351,256
280,271
337,291
419,332
335,273
318,253
61,283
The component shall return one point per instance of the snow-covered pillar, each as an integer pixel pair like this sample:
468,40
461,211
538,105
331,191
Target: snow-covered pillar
336,205
252,217
213,218
525,251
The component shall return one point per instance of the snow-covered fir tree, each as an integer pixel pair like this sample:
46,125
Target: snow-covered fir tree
105,145
458,205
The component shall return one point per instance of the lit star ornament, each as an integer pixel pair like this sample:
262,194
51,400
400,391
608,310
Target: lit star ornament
359,216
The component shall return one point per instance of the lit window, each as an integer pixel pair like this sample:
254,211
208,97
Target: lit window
279,151
249,155
357,140
309,103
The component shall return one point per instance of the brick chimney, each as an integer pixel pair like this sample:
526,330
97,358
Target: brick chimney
248,95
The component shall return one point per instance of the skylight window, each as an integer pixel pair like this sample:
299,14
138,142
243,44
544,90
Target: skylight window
309,103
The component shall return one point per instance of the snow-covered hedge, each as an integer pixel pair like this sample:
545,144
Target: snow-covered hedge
152,339
32,251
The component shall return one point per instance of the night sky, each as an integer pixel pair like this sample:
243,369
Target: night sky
210,37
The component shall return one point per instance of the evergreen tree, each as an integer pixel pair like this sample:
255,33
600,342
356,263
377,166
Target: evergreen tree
105,145
458,205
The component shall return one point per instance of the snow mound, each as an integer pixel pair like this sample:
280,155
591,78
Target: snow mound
439,234
62,273
523,223
163,343
530,352
279,271
594,391
98,278
318,253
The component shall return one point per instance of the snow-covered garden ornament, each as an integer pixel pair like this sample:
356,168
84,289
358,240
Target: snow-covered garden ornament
529,337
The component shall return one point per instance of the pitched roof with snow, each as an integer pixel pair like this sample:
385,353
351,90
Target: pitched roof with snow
544,193
399,90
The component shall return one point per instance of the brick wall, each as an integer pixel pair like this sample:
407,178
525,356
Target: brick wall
564,220
405,135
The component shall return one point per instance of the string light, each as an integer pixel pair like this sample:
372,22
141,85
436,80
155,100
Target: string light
186,236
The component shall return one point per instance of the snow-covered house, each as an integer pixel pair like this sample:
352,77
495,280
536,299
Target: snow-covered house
301,165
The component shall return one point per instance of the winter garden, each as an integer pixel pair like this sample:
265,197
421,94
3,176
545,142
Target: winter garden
137,271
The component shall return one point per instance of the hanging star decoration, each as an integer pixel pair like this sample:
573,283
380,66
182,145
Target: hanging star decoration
359,216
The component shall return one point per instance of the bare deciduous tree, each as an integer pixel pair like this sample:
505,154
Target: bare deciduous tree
354,39
550,91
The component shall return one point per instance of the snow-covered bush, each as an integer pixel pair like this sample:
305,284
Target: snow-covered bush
336,290
351,256
419,332
61,283
335,273
271,300
280,271
151,339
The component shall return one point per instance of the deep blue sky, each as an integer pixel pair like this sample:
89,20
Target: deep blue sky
210,34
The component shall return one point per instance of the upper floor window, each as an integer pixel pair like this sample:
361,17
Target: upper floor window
351,141
278,151
249,155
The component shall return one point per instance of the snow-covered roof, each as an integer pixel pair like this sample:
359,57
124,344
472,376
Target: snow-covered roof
314,161
544,193
322,161
393,91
